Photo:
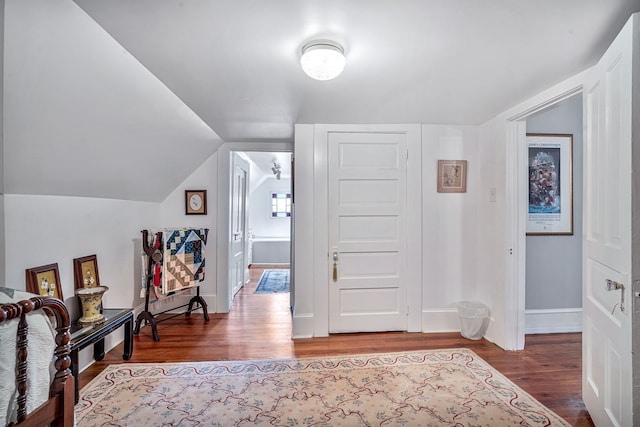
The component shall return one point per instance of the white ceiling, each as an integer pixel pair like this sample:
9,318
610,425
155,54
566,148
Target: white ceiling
125,99
235,62
263,162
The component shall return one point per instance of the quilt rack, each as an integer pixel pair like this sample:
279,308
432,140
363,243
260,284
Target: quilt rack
155,255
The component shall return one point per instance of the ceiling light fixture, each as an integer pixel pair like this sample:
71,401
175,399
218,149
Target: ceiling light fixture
323,59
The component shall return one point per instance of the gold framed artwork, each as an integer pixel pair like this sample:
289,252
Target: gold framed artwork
44,280
85,272
452,176
195,202
550,208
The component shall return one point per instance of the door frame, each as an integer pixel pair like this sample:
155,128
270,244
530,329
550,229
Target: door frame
516,202
369,285
224,297
237,157
316,324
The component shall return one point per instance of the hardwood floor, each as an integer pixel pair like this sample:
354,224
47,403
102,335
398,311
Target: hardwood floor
259,327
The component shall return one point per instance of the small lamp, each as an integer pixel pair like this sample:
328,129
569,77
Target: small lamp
323,59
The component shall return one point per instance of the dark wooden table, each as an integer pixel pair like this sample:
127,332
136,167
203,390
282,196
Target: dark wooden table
82,336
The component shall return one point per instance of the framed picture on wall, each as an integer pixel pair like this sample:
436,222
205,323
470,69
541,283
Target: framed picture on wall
195,202
550,202
452,176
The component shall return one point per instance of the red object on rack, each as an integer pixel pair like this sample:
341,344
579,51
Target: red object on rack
157,267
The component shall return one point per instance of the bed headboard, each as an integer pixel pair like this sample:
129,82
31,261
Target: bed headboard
63,378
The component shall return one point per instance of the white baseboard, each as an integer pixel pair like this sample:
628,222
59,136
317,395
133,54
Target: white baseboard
446,320
442,320
284,265
170,303
560,320
302,326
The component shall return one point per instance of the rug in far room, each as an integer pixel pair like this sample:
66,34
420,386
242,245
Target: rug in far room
273,281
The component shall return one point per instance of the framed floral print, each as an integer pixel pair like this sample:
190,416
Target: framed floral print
44,280
85,272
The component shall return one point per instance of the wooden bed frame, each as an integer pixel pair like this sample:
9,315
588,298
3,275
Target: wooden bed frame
58,410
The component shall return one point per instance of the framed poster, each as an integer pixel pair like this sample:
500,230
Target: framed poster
550,205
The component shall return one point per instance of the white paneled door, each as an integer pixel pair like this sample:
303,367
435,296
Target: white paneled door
367,198
238,258
607,383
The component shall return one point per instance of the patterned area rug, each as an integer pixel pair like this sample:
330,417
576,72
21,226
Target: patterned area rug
426,388
273,281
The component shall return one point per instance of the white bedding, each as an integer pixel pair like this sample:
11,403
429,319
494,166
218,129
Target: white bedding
40,347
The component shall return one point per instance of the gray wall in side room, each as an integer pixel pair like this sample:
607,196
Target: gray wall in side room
554,263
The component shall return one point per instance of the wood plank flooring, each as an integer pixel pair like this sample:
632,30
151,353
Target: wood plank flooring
259,327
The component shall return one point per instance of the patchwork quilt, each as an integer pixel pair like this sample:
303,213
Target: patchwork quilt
184,262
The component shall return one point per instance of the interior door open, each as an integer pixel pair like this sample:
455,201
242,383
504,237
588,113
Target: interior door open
238,239
607,380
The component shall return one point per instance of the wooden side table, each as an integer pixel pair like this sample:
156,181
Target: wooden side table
82,336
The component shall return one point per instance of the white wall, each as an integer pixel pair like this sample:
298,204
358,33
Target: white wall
43,230
261,223
449,225
172,215
490,223
303,269
500,272
451,237
53,229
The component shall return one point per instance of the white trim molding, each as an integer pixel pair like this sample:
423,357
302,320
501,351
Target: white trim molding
440,320
302,326
447,320
552,321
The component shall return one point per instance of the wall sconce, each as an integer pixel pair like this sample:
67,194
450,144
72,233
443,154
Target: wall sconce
276,169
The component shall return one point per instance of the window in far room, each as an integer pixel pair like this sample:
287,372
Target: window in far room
280,205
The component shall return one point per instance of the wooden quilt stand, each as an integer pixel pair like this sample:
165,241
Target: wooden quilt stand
195,303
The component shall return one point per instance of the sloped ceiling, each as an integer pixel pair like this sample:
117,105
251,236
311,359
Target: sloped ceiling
84,118
125,98
261,164
236,62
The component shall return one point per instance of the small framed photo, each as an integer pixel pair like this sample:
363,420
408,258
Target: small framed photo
550,158
452,176
44,280
85,272
195,202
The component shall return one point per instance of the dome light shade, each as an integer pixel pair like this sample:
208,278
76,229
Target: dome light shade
323,59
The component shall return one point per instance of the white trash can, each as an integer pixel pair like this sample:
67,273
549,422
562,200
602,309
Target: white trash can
474,319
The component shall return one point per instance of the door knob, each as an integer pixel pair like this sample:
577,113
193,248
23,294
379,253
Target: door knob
614,286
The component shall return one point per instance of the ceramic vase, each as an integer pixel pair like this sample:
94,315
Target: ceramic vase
91,300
